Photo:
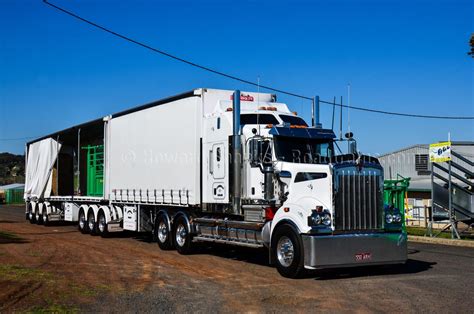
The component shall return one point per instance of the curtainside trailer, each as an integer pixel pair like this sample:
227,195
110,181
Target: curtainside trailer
217,166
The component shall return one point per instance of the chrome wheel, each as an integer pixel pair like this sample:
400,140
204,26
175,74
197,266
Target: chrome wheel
30,215
37,216
162,232
102,224
91,222
82,221
45,217
285,251
181,235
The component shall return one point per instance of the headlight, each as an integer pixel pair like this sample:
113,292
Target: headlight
397,218
320,219
388,218
326,219
315,219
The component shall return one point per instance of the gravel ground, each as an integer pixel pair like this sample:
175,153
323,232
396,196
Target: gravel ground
58,269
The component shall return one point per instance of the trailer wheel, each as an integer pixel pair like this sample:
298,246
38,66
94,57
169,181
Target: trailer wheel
182,236
102,228
32,216
91,223
45,217
163,233
38,217
82,222
287,250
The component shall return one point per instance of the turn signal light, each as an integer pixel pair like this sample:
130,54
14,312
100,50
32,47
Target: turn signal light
270,213
229,109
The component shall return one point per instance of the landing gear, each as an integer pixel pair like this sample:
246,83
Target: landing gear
287,250
163,233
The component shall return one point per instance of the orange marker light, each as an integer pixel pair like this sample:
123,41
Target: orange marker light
286,209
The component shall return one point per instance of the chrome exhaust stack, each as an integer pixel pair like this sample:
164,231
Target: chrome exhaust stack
236,157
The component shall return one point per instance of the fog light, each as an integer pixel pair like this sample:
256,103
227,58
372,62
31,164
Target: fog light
388,218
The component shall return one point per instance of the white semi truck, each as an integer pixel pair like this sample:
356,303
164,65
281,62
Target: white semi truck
217,166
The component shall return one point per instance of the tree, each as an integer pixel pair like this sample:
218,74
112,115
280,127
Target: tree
471,42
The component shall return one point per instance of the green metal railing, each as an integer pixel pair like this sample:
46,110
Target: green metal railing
394,194
95,170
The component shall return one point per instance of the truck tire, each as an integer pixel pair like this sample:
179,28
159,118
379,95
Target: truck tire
31,216
38,218
287,250
82,225
44,217
102,228
91,223
163,234
182,236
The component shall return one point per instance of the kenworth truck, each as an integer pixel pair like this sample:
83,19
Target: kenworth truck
217,166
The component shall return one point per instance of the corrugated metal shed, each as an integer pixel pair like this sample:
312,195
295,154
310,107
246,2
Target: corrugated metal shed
403,162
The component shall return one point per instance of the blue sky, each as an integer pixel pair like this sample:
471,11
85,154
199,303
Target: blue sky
406,56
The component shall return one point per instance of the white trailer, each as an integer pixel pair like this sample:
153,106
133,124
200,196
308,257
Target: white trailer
217,166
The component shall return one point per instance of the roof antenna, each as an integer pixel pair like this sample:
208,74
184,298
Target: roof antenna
258,104
349,117
348,107
333,111
340,122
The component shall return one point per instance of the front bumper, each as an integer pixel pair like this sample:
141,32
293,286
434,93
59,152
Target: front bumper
346,250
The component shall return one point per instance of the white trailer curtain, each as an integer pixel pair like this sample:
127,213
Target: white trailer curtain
39,164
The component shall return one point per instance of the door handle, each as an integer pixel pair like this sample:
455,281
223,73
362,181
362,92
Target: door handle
211,163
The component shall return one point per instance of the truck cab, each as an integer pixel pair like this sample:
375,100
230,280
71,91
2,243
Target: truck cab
318,209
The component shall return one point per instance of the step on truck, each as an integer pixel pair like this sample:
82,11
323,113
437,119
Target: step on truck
217,166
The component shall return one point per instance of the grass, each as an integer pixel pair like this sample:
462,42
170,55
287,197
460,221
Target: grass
53,308
416,231
19,273
8,236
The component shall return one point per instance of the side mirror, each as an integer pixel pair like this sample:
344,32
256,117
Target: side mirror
258,152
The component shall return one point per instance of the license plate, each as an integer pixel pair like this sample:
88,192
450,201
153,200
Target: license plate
359,257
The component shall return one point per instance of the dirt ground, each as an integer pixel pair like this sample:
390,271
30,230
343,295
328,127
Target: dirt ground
56,268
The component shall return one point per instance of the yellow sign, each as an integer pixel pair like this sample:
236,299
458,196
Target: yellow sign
440,152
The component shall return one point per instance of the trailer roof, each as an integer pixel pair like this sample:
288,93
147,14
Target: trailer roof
118,114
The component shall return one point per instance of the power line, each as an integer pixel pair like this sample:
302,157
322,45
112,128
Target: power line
399,113
205,68
18,138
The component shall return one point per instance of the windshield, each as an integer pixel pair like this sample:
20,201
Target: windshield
293,120
258,119
299,150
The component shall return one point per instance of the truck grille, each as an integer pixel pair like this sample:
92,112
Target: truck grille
358,199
